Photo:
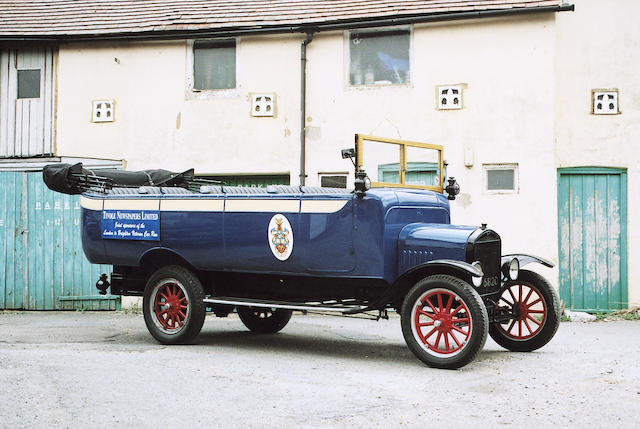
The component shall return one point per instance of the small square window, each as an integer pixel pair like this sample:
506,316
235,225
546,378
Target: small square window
501,178
214,65
29,83
379,57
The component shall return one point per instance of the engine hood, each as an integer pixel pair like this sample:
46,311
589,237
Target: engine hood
424,242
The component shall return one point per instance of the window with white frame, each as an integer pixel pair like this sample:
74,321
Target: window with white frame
501,178
379,57
214,64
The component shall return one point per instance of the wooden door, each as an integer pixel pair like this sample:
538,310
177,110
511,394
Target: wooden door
592,238
27,80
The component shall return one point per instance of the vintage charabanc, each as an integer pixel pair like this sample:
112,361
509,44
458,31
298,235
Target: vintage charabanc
189,246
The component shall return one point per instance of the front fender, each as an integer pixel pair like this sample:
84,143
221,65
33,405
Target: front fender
524,259
460,265
439,266
399,288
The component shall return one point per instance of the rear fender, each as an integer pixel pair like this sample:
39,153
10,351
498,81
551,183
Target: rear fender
131,280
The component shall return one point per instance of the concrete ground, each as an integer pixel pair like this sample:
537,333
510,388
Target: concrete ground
104,370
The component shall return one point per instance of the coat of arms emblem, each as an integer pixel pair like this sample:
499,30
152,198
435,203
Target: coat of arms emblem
280,236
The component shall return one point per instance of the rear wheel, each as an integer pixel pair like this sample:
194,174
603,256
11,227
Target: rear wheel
444,322
536,313
264,320
173,305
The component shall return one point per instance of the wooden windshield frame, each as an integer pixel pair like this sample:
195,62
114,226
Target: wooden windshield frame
402,144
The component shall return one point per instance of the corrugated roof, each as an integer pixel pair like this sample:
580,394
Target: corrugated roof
67,18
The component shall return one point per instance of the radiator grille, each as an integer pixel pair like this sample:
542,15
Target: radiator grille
485,246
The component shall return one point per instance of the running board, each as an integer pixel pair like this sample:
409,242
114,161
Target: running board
299,306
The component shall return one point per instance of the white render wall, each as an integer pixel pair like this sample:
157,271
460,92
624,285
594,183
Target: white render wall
507,67
599,48
160,124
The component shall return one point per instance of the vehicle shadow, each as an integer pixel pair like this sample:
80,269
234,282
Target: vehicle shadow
381,350
315,342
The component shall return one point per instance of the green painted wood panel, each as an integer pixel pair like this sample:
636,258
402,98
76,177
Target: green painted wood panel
592,229
42,265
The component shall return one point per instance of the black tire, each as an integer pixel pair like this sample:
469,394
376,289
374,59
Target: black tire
264,320
173,305
434,331
537,309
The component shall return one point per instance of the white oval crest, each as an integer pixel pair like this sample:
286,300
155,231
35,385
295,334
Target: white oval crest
280,236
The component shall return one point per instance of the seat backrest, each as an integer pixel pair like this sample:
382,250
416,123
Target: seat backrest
320,190
172,190
210,189
142,190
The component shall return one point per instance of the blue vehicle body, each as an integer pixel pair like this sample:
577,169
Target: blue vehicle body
335,233
267,252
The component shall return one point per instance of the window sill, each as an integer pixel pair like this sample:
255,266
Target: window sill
209,94
379,85
501,192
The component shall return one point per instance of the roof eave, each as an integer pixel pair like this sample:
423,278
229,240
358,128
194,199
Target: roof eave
280,29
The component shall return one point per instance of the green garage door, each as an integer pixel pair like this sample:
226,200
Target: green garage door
592,238
42,266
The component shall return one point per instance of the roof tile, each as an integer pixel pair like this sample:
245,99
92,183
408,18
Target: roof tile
101,17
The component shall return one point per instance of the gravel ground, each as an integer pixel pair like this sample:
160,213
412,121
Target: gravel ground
67,369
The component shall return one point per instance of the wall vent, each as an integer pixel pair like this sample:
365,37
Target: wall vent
449,97
263,104
604,102
103,111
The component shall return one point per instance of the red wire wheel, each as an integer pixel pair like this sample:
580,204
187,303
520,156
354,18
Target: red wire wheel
535,309
444,321
170,306
441,322
529,306
173,305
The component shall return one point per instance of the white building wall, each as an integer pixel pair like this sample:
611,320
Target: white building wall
159,123
599,48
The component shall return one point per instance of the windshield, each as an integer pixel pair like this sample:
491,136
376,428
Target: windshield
400,163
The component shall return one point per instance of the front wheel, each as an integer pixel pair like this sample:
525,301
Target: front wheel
535,307
444,322
173,305
264,320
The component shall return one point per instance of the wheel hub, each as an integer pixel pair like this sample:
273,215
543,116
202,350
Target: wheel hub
522,311
443,322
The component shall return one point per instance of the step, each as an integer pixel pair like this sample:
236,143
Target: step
299,306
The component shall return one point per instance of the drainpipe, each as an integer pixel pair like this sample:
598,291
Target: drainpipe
303,105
